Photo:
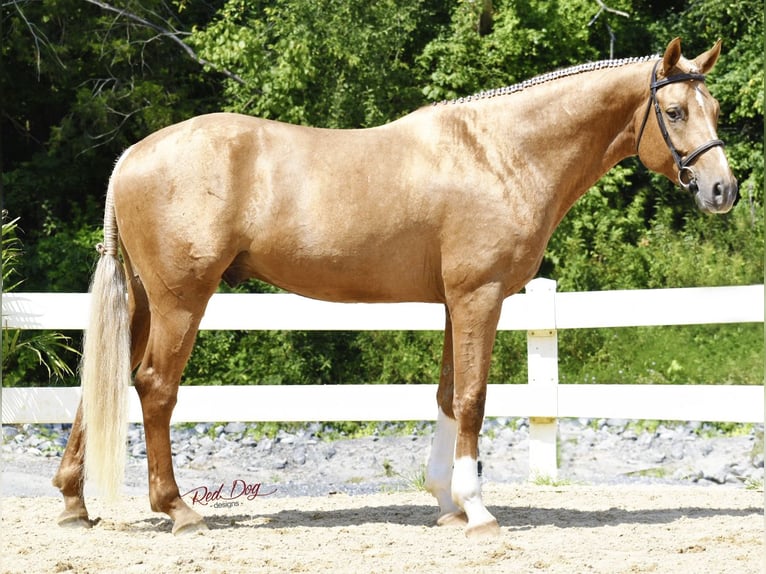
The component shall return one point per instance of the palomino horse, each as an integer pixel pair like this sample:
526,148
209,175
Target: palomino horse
453,203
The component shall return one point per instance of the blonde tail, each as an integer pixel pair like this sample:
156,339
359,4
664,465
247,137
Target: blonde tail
105,369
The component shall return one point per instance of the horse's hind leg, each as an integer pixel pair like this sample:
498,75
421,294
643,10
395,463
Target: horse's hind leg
171,337
440,460
70,478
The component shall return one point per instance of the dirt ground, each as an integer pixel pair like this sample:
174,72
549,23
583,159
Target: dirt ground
568,529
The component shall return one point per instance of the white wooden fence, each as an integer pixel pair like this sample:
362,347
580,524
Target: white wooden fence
540,311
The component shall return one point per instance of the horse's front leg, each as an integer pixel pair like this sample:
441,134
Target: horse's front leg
70,478
441,457
474,322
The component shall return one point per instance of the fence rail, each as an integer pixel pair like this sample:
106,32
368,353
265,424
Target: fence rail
540,311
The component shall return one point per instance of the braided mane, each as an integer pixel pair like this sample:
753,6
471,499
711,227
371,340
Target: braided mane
549,77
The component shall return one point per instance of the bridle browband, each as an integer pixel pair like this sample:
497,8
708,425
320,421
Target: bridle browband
682,163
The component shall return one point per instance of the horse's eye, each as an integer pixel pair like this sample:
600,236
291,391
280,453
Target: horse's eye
674,113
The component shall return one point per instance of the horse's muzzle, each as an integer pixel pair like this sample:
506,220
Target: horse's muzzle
718,197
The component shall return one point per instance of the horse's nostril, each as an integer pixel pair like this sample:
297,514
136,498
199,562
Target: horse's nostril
693,187
717,190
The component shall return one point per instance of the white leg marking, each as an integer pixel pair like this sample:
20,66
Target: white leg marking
466,492
439,469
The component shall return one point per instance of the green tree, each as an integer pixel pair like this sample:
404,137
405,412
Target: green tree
83,79
327,63
527,38
78,84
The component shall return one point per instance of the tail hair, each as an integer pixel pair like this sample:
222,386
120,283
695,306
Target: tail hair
105,369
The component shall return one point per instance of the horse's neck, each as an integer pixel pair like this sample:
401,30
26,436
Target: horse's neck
568,133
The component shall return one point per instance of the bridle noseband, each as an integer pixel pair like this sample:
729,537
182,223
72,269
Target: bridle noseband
682,163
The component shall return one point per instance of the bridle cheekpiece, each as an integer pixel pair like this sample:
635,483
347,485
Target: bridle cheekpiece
687,177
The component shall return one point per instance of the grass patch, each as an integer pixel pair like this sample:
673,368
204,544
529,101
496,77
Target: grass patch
653,472
388,468
415,481
546,480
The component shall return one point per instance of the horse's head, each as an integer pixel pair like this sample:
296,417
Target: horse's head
677,134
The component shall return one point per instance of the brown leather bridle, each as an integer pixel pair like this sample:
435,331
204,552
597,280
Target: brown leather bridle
687,177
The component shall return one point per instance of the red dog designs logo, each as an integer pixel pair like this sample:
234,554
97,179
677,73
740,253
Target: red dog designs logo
226,496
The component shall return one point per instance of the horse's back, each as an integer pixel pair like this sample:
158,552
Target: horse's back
334,214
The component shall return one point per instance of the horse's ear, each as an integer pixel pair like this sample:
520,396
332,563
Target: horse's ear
672,55
706,61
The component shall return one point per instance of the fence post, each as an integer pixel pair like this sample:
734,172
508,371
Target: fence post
543,379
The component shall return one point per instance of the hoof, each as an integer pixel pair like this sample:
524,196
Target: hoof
75,521
189,528
452,519
485,530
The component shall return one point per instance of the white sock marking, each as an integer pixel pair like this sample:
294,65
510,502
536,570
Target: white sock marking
466,491
439,470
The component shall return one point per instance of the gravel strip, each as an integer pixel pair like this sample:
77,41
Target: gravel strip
298,463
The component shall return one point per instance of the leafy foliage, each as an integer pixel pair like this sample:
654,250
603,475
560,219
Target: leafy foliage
25,353
528,37
81,80
328,63
78,85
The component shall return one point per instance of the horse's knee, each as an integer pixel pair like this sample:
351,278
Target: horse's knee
470,402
